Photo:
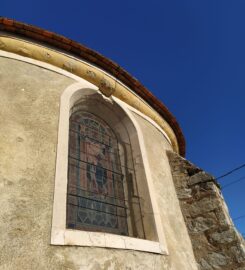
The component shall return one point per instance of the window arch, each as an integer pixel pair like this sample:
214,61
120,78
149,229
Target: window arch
140,225
95,195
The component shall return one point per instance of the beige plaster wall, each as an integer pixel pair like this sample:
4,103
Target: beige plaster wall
177,238
29,107
29,111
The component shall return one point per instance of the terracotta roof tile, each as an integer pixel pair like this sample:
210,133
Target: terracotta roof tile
8,21
33,29
48,34
18,25
75,44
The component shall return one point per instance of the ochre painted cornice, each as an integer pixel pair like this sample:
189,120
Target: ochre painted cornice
105,83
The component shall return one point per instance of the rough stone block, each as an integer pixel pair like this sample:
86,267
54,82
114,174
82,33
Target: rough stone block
223,218
239,253
241,268
217,260
205,205
224,237
204,265
200,178
201,224
184,193
201,246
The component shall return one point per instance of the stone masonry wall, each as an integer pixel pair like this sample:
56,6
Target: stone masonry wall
216,242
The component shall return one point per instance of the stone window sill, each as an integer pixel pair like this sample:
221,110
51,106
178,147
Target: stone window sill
104,240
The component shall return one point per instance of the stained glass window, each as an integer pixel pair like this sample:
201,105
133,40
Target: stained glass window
95,194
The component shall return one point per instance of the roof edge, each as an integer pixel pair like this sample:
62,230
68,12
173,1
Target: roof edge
95,58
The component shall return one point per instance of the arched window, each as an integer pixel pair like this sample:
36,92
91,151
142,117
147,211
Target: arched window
96,191
104,195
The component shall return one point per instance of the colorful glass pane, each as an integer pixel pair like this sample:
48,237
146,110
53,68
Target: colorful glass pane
95,199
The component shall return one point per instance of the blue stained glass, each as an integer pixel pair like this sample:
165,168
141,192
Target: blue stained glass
95,194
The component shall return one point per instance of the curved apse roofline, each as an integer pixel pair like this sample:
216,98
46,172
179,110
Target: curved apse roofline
80,51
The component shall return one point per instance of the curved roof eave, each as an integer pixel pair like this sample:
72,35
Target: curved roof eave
70,46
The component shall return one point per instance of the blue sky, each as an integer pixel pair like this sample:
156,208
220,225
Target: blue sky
190,54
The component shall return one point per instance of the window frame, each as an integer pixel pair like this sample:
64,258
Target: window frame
60,235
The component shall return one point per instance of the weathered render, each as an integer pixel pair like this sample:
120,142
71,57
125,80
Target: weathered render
29,109
216,242
43,78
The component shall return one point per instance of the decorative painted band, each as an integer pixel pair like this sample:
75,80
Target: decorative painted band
96,59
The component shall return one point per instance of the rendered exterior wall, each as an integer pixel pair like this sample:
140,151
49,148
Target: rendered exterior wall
177,238
29,113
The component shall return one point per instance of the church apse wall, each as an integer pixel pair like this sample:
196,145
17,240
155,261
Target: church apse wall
92,174
30,108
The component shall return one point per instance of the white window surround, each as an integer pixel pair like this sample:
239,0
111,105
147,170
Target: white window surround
60,235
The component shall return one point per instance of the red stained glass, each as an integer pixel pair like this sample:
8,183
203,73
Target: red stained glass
95,197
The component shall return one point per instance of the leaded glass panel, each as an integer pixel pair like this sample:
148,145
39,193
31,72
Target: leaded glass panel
95,199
